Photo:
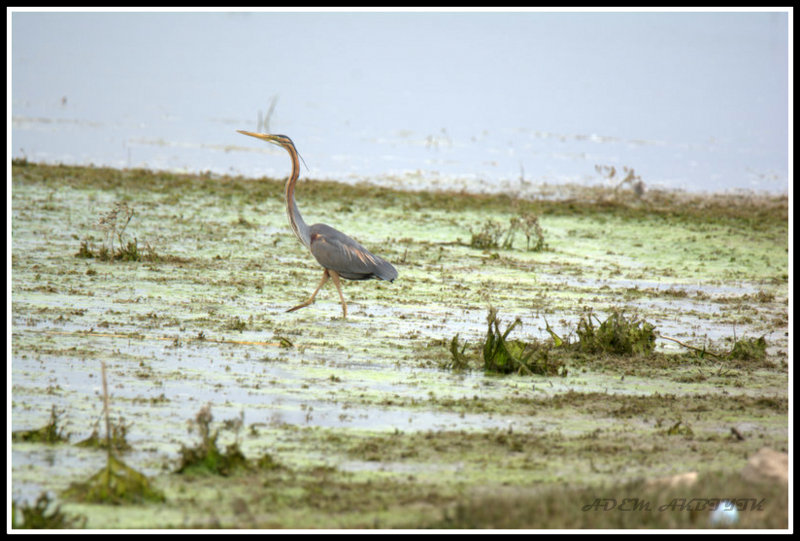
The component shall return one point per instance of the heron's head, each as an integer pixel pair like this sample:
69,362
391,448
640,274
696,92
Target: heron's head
280,140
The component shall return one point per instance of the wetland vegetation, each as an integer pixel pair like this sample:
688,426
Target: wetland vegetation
533,356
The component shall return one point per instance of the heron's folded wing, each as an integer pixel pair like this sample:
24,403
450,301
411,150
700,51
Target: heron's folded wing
348,258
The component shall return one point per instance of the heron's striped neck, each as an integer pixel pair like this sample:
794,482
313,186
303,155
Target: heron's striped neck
292,212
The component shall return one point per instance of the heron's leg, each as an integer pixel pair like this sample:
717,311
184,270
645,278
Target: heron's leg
311,298
335,278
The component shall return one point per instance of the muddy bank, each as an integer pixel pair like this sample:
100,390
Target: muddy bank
366,425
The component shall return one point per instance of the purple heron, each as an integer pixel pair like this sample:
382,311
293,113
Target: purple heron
338,254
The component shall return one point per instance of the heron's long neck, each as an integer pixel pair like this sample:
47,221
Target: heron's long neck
295,219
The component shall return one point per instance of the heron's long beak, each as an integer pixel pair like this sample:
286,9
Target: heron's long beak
263,136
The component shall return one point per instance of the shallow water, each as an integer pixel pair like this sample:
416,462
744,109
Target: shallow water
491,102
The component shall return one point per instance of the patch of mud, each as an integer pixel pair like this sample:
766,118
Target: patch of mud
364,402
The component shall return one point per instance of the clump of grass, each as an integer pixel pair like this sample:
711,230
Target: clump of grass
762,296
516,356
244,222
680,429
637,186
236,324
118,440
129,252
267,462
117,482
114,222
501,355
52,432
745,353
749,349
113,225
85,252
534,235
617,335
459,361
206,457
492,235
36,516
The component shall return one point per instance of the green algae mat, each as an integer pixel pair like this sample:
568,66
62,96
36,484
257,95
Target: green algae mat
537,364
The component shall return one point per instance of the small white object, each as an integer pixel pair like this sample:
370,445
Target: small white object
725,514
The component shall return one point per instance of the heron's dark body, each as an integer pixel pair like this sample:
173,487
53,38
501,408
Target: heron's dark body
338,252
339,255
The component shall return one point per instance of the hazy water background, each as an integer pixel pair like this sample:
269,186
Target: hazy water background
482,101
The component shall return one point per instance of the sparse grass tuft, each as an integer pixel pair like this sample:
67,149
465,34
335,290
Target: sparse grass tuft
129,253
267,462
492,235
746,353
749,349
118,435
206,457
505,356
534,235
617,335
489,236
85,252
115,247
459,361
52,432
680,428
36,516
116,483
236,324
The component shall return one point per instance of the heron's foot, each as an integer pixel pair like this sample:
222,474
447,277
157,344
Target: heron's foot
303,305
